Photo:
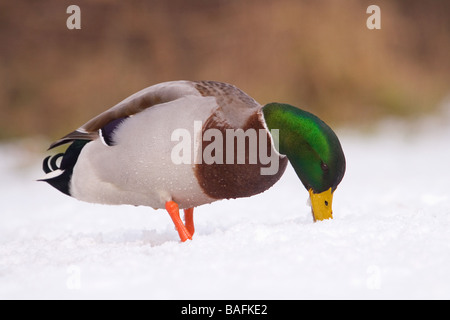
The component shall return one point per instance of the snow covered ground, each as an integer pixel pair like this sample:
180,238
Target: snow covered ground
390,237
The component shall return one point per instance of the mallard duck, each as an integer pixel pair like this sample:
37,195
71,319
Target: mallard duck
181,144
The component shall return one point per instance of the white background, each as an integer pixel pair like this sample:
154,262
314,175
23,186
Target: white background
390,237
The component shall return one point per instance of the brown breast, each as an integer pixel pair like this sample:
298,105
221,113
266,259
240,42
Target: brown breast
234,180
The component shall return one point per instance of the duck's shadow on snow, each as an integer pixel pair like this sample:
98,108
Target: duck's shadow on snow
135,237
152,238
155,238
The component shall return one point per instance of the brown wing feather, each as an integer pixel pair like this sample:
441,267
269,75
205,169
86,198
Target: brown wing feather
146,98
234,105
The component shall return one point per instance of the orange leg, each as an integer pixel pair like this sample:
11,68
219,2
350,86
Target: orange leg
189,220
174,212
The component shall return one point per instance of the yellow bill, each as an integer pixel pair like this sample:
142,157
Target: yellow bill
321,204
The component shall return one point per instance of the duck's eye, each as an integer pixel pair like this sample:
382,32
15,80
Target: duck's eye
324,166
326,203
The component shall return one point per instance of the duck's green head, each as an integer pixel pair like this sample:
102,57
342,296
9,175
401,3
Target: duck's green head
314,151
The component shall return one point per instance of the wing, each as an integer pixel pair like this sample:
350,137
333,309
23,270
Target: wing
235,106
146,98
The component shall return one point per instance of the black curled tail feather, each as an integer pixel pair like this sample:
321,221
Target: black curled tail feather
49,163
69,159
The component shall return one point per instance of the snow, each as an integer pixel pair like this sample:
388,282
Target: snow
389,239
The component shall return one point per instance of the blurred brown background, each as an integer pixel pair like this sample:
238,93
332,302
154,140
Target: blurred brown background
318,55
